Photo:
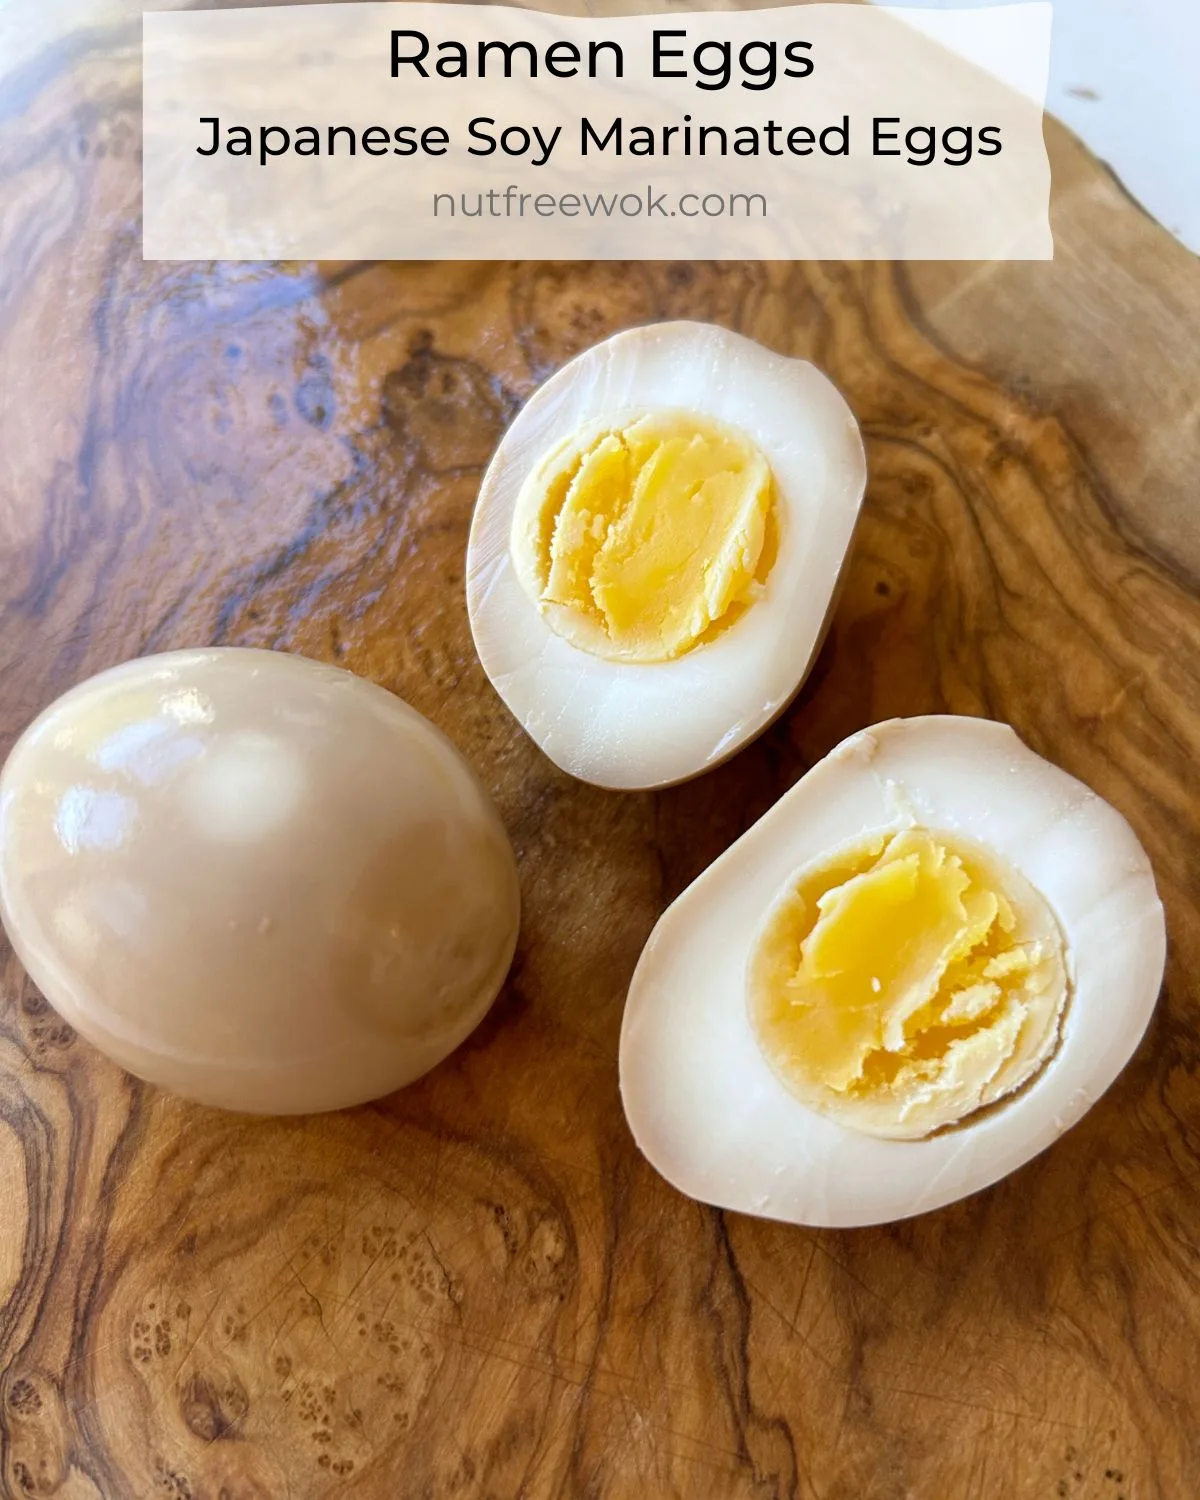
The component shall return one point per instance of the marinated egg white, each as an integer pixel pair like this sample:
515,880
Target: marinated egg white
258,881
656,548
910,976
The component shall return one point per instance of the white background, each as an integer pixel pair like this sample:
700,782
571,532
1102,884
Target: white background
1125,76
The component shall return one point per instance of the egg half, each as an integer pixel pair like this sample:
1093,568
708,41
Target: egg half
253,879
906,979
656,549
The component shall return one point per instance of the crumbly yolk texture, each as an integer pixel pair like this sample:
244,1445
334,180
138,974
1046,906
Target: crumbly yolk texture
642,539
908,982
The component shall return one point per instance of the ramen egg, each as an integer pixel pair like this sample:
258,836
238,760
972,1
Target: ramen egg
906,979
253,879
656,549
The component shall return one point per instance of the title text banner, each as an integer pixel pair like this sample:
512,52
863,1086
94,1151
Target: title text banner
431,131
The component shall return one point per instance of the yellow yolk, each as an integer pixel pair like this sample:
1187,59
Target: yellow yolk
907,982
639,540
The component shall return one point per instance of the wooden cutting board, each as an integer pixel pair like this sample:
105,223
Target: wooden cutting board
477,1288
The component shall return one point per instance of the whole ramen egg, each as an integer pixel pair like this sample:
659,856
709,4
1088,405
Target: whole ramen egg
253,879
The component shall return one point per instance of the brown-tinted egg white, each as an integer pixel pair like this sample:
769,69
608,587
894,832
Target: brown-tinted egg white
253,879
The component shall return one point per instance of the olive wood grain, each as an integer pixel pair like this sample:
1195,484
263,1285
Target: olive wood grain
476,1287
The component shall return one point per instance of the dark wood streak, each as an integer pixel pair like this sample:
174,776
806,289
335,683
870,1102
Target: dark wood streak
765,1441
477,1288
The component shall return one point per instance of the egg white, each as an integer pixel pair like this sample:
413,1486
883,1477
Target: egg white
630,726
703,1103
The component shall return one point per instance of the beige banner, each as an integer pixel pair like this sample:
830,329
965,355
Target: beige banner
427,131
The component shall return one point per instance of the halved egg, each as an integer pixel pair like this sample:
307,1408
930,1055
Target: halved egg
910,976
253,879
656,550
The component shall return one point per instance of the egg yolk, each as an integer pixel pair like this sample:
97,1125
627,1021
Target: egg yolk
642,539
908,982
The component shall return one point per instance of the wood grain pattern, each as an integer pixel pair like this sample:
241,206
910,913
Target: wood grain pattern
476,1288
